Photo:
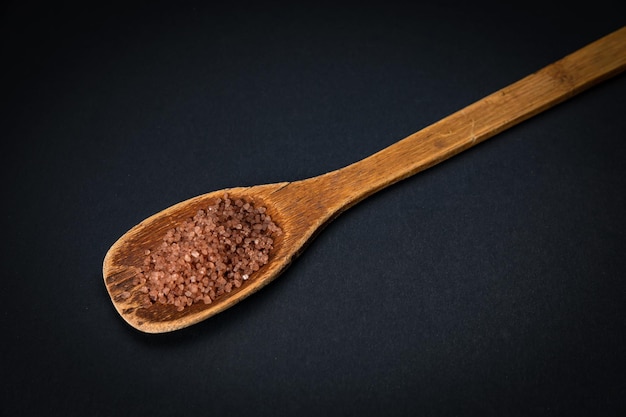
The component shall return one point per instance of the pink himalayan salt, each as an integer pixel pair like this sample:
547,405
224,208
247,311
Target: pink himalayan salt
208,255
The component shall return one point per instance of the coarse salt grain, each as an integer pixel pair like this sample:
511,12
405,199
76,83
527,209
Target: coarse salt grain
208,255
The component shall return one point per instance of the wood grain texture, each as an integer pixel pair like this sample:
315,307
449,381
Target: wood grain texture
303,208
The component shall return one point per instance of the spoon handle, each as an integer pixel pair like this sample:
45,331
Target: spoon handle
477,122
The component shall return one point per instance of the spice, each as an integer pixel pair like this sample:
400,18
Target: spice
208,255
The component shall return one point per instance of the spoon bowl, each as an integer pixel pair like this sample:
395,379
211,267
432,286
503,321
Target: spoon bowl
123,260
302,208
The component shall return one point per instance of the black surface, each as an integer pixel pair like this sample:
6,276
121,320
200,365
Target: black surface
492,284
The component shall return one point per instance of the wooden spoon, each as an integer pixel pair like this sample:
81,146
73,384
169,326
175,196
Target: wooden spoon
303,208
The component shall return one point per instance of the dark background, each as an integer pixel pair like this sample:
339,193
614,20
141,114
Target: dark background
492,284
